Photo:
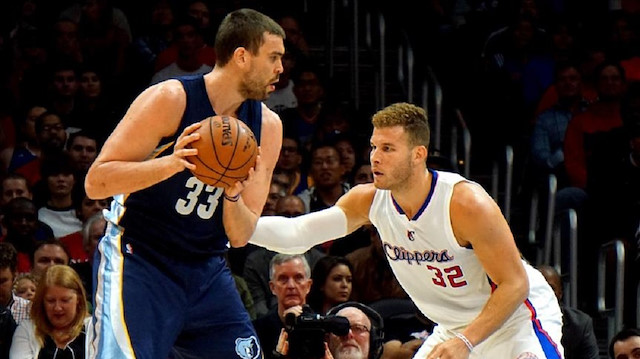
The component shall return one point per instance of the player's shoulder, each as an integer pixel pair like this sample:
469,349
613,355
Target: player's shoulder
269,116
364,189
271,122
471,197
165,92
359,195
356,203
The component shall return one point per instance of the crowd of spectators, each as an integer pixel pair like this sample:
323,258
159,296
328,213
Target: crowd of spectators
541,75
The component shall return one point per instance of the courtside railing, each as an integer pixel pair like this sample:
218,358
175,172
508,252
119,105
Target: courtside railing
508,181
614,313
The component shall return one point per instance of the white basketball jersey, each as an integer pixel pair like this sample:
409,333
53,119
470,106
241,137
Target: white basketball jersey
446,281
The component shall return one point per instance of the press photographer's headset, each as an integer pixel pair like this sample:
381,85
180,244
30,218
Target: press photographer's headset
376,336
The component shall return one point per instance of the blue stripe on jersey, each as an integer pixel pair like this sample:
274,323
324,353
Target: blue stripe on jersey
549,347
108,325
426,201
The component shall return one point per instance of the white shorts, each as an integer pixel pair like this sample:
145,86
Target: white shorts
522,342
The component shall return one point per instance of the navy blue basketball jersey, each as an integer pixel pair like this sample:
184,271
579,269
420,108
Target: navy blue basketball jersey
182,216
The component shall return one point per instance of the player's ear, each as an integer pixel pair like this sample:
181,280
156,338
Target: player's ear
240,56
420,153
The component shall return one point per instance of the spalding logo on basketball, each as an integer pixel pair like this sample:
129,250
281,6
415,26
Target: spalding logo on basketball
227,149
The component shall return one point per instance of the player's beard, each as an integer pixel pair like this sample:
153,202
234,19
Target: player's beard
252,88
396,176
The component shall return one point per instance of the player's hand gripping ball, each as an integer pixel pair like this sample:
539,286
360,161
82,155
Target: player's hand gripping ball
227,149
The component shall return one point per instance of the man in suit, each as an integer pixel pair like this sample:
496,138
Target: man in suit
578,338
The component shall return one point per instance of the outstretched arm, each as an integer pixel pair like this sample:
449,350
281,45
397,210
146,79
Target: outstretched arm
478,221
299,234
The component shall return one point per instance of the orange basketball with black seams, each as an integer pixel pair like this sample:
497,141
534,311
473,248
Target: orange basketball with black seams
227,149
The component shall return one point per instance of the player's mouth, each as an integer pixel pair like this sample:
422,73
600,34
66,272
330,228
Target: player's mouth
272,85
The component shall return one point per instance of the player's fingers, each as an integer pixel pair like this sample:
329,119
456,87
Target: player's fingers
188,165
184,152
191,128
258,165
250,176
184,140
234,190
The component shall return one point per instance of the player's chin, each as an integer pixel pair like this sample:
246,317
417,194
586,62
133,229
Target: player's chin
263,96
268,92
379,184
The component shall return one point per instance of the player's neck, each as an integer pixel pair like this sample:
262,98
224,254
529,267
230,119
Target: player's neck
223,101
411,196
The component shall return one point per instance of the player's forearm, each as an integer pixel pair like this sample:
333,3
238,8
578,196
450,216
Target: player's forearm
108,179
500,306
239,221
299,234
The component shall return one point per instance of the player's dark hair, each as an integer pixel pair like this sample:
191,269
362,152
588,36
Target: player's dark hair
243,28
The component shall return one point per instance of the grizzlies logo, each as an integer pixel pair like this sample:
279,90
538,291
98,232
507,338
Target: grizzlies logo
248,348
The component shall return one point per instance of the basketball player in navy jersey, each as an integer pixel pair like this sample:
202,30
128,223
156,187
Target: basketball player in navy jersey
162,288
449,246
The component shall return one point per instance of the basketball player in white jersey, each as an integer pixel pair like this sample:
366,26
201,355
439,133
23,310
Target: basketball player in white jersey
448,244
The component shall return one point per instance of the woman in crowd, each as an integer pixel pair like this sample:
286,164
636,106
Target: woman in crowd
331,283
58,318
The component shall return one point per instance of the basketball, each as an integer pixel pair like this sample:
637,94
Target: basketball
227,149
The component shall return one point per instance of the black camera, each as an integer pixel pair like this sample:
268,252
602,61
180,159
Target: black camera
307,332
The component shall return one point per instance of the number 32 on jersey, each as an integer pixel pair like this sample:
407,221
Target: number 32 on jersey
448,277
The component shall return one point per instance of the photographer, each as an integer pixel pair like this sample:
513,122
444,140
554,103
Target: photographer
290,282
361,339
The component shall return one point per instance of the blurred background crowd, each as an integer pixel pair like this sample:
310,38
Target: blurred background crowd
552,82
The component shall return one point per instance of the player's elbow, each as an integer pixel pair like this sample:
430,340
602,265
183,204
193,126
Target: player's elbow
521,290
237,238
94,186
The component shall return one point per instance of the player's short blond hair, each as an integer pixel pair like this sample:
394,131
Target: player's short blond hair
411,117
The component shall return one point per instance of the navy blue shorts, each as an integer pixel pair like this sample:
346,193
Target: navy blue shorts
150,306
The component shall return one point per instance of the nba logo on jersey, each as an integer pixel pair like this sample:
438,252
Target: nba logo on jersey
411,235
